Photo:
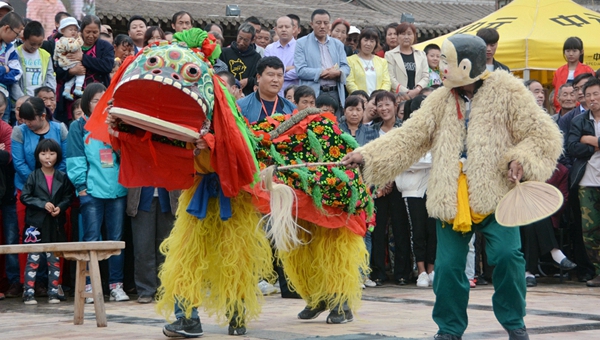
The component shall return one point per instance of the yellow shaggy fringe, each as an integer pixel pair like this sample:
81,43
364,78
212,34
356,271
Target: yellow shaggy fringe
327,267
215,264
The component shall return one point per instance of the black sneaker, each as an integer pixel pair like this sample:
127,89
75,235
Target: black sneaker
184,327
236,325
337,317
309,314
518,334
29,300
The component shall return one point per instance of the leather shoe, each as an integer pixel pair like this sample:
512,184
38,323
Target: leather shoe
585,277
594,283
518,334
16,290
531,281
565,264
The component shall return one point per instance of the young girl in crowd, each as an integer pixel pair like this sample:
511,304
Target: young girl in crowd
46,195
573,52
77,111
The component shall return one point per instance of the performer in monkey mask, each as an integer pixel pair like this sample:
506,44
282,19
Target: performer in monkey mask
485,132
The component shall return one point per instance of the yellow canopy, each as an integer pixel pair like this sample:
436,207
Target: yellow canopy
532,34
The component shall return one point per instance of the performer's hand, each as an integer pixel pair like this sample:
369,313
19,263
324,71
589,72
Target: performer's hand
515,171
353,160
201,143
111,120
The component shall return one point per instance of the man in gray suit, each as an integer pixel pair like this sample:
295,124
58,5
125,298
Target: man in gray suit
321,61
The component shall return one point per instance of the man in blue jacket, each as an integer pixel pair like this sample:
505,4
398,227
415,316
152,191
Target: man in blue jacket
321,60
266,101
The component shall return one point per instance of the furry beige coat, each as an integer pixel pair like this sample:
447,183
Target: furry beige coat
505,124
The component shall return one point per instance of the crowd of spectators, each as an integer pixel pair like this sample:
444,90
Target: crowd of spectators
372,80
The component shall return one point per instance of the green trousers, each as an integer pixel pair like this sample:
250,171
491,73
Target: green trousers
589,201
451,286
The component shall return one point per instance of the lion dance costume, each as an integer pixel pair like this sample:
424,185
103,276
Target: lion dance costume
324,253
167,96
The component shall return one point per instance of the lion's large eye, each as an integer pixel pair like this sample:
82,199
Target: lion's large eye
190,72
154,62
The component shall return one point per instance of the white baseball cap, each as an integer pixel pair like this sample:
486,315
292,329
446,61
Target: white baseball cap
6,5
353,30
68,21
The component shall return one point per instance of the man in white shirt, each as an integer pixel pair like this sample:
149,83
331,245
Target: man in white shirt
284,50
36,63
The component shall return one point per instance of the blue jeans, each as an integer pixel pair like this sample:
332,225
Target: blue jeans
179,313
368,243
10,226
111,211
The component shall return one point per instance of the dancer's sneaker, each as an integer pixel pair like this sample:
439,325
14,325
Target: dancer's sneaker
308,314
184,327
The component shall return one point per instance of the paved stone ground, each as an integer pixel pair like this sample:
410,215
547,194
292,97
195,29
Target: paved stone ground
554,311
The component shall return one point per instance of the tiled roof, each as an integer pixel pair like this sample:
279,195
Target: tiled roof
434,13
432,18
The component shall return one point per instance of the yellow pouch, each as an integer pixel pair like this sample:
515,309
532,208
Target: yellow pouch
465,217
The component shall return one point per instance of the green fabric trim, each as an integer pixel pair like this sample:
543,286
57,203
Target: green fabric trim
277,156
317,197
243,128
350,140
340,174
353,199
194,38
313,141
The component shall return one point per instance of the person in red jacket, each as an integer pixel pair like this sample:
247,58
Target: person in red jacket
573,51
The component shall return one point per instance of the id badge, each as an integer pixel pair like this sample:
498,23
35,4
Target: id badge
106,158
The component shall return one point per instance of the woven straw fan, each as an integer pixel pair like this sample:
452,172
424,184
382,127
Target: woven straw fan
528,202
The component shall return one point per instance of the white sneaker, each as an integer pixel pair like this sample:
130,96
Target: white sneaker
370,283
423,280
267,288
118,294
88,289
431,275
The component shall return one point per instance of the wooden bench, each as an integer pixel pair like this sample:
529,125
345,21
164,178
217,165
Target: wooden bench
87,255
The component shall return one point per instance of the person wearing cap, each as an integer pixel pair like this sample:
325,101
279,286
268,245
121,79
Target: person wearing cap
5,8
107,30
44,12
473,167
106,33
352,39
70,42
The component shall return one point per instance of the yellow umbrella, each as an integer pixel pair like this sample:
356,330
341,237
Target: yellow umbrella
532,33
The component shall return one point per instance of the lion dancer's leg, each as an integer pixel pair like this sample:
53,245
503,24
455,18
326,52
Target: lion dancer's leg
326,271
215,263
